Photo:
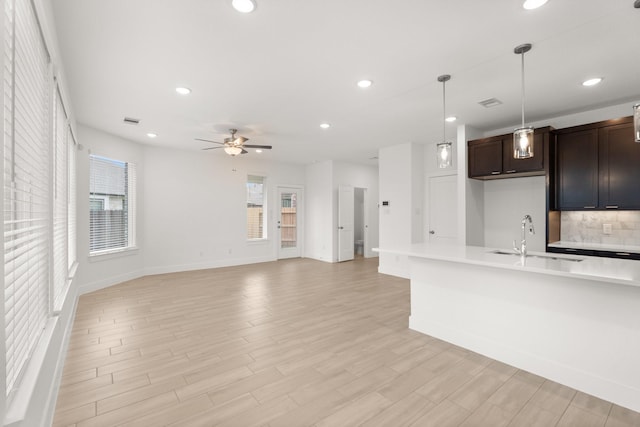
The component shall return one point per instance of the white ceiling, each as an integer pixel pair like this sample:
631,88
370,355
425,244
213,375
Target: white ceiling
279,72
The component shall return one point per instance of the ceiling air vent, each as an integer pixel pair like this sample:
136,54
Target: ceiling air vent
131,121
491,102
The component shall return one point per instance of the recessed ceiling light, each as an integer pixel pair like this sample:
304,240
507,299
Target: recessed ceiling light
325,125
365,84
533,4
451,119
592,82
244,6
151,135
183,90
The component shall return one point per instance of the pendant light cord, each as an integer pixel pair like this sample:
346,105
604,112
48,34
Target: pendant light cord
444,113
522,54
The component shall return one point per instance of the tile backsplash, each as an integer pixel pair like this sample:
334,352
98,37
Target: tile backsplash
589,226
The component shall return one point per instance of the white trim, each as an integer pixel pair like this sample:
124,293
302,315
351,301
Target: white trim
112,253
206,265
110,281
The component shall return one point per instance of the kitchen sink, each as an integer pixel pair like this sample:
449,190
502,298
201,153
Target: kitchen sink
553,257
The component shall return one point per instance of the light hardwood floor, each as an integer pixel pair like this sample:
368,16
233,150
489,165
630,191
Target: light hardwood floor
291,343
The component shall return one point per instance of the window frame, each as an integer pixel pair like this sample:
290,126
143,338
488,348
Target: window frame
129,206
262,180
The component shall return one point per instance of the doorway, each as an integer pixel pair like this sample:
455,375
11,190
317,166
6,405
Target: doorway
352,223
289,222
358,221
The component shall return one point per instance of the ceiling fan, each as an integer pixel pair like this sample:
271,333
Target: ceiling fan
234,145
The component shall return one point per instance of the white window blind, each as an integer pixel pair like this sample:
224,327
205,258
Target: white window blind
71,203
60,203
112,193
256,205
26,185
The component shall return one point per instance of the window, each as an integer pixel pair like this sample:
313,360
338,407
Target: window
256,208
112,201
27,87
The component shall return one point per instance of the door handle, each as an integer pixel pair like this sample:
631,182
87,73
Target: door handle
340,228
432,232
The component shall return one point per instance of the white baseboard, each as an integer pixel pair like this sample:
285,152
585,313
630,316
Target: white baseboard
109,281
205,265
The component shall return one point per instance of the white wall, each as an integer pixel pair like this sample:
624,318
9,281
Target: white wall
195,209
398,174
319,209
105,270
470,194
506,201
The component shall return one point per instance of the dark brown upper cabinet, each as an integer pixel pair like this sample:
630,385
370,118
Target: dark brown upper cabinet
577,169
598,166
492,157
619,167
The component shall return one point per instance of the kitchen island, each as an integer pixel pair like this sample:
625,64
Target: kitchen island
572,319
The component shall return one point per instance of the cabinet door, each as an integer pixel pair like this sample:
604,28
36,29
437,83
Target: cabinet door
535,163
485,158
619,168
577,170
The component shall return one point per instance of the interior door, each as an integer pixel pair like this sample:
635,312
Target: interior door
443,209
289,222
345,223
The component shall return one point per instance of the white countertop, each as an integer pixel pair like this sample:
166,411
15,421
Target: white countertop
611,270
595,246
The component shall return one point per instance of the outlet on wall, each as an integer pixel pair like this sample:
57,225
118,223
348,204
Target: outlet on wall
606,228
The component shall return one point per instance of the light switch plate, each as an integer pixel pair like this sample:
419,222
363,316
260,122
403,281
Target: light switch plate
606,228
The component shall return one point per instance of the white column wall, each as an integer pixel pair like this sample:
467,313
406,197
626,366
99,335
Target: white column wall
398,173
319,207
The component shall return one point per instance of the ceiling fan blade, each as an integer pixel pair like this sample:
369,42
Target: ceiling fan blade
244,152
212,148
208,140
264,147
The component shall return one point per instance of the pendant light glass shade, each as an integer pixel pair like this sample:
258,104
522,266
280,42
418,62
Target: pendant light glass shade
444,149
523,136
444,154
523,143
636,121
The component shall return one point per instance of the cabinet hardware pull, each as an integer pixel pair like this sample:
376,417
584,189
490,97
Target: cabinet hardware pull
623,253
589,207
571,250
611,207
495,173
511,171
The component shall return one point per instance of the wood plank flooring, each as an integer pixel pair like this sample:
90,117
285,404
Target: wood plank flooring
291,343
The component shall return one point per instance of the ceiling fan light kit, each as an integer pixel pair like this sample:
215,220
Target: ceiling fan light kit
234,145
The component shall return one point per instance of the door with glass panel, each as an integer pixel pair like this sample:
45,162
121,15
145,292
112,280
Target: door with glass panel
289,221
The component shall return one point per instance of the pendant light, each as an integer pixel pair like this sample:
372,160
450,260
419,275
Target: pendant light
444,151
636,121
523,136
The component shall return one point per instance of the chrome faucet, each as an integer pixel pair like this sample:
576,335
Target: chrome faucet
523,243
